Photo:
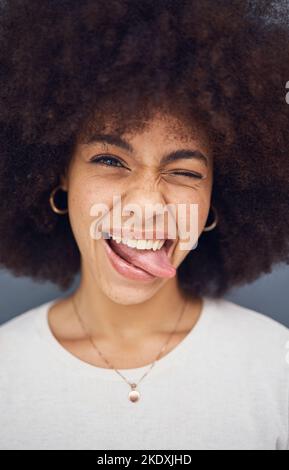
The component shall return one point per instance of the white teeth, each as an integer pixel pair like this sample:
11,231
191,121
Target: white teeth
141,244
150,244
132,243
156,245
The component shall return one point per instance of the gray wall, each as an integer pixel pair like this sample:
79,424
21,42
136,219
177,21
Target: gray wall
268,295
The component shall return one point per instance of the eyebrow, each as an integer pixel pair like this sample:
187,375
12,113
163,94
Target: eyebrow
116,140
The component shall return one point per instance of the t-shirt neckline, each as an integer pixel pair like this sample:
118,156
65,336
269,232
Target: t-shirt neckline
80,366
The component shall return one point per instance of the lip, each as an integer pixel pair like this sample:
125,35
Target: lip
124,268
127,270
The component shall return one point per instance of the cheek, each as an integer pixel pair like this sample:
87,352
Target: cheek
83,197
199,194
192,213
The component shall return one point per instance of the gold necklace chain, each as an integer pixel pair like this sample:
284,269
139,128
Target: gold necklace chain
134,394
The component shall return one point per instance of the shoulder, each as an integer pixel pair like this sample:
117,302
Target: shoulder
21,322
19,333
250,331
245,316
248,320
21,350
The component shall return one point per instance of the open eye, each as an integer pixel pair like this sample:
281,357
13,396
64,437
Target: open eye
109,161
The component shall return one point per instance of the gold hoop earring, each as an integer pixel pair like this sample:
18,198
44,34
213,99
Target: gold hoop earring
213,224
52,203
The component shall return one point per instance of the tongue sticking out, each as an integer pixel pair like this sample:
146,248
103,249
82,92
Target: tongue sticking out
156,262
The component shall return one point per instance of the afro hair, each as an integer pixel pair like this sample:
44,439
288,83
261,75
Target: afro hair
66,67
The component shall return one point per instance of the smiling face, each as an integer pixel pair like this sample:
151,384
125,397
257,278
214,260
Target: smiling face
161,165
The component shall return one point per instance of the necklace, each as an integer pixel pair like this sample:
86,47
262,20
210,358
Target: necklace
134,394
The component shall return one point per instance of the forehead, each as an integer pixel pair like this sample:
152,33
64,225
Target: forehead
161,133
162,128
170,129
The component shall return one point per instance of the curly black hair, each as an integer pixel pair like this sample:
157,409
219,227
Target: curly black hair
66,67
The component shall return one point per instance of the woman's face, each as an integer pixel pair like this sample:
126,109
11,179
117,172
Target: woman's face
137,173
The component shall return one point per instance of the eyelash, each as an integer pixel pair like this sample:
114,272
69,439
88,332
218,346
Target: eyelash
182,173
97,160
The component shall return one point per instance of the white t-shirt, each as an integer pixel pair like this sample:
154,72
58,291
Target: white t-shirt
225,386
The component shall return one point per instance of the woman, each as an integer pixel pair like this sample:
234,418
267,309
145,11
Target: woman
139,104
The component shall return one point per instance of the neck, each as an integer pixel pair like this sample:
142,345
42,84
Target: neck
108,319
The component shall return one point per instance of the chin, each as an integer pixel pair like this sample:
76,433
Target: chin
117,285
129,293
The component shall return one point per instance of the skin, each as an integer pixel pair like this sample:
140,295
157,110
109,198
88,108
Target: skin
130,319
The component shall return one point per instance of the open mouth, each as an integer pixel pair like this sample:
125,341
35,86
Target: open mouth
113,245
140,263
123,265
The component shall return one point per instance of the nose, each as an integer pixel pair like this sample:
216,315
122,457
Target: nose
144,188
150,212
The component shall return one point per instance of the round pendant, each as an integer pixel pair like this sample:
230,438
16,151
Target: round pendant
134,395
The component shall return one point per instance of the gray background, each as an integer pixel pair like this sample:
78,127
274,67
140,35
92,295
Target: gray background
268,295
